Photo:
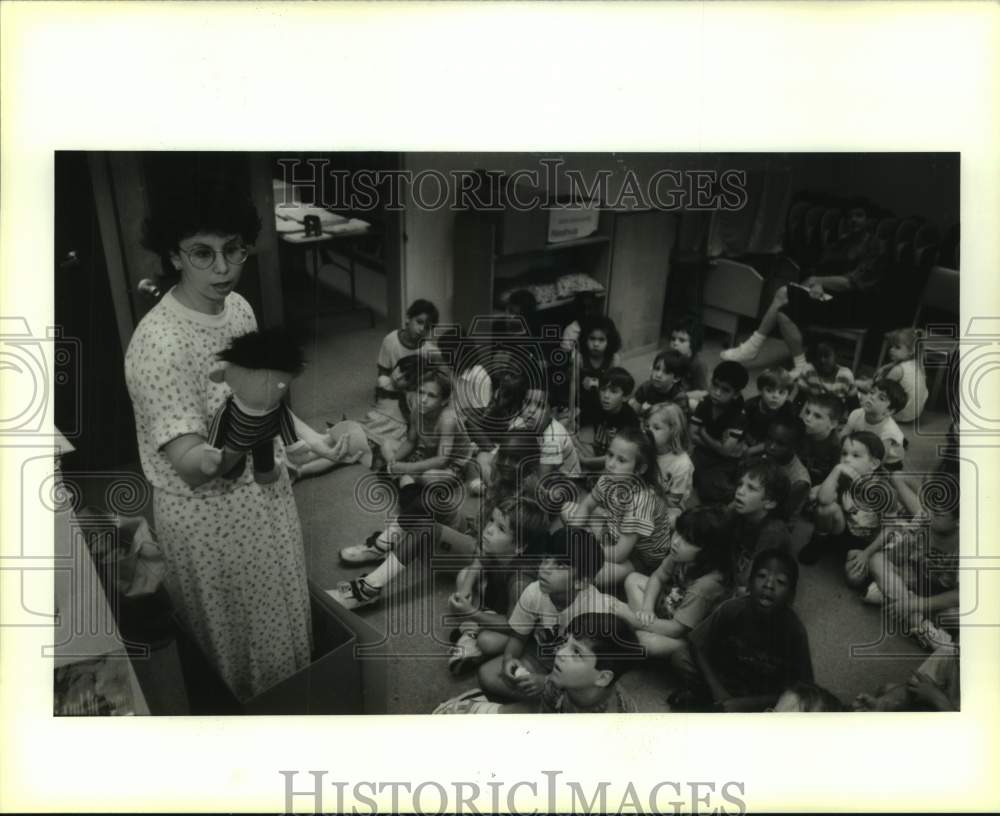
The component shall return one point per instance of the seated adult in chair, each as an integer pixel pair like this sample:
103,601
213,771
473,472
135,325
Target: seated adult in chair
843,300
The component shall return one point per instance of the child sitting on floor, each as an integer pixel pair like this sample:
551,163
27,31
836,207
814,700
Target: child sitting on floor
626,510
688,583
486,428
849,518
885,398
436,445
750,649
822,375
597,354
412,339
783,435
757,524
667,425
685,337
914,567
665,384
418,532
597,650
487,589
716,434
614,414
774,386
904,368
558,453
564,589
819,446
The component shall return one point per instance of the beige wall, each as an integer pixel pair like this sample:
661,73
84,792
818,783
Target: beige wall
911,185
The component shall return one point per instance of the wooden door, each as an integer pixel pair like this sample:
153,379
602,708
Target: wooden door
640,266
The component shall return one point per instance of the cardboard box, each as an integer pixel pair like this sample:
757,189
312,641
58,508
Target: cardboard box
338,681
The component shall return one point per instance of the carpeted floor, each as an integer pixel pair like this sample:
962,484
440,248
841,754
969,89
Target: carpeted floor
850,653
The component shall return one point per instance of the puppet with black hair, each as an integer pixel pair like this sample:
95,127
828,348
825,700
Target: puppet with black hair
259,368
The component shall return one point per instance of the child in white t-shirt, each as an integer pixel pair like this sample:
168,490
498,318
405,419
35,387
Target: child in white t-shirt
885,398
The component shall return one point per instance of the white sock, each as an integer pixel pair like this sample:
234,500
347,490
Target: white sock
799,361
756,340
385,572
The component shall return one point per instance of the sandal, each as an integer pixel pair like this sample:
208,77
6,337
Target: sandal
355,593
371,552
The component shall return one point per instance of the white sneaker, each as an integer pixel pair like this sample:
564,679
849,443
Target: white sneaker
371,552
743,353
873,595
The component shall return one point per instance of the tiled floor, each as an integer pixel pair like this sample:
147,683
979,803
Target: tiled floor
850,654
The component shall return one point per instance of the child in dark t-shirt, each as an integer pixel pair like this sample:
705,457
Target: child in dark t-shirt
614,413
750,648
717,426
774,387
819,446
666,383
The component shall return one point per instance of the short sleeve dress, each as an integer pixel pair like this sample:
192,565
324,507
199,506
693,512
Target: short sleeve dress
236,564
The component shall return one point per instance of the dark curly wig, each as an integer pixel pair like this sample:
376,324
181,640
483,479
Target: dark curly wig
201,195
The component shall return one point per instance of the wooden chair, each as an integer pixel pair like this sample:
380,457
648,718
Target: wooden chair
732,290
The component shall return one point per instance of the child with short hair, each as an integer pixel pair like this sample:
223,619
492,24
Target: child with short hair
564,589
751,648
885,398
841,522
819,446
436,445
614,415
685,336
757,524
783,435
598,353
821,374
914,567
904,368
717,427
774,387
626,509
667,425
597,650
665,384
687,585
412,338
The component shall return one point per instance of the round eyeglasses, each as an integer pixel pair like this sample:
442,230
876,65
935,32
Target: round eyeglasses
202,257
